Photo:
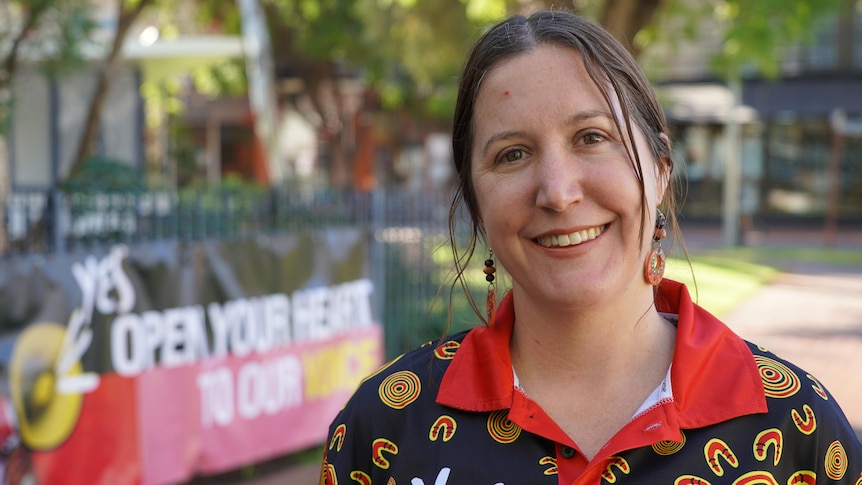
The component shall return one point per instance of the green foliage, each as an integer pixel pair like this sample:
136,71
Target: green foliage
752,34
226,78
320,29
429,283
757,31
65,29
486,11
54,31
221,14
413,51
101,174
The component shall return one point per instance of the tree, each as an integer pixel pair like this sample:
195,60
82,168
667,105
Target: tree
127,12
626,18
52,31
333,47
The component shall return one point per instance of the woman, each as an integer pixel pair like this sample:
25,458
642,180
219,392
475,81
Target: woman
592,369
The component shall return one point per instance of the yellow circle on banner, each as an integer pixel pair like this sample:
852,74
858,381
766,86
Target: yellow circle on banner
45,417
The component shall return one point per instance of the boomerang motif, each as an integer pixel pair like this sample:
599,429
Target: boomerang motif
618,462
717,448
549,460
756,478
444,427
818,387
360,477
806,425
766,438
803,477
338,437
447,350
379,446
690,480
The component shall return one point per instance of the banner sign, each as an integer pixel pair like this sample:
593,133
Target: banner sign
150,365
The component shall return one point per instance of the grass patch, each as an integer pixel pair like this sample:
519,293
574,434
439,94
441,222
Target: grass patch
727,277
785,257
719,284
723,279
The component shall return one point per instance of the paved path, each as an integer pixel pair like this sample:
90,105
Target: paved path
810,315
812,318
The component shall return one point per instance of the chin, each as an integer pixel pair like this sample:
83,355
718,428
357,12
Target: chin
569,295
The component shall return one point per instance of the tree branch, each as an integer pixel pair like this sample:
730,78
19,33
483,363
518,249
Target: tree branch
10,63
125,19
625,18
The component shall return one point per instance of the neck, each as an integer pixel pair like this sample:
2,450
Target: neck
589,343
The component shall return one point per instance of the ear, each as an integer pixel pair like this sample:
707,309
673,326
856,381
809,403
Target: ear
663,171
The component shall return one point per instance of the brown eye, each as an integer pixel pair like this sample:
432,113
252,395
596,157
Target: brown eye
593,138
513,156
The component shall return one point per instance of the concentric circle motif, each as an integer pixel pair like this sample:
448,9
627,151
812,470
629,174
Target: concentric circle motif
501,429
836,461
668,447
399,389
778,380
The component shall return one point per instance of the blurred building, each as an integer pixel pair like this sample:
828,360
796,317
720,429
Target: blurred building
801,134
800,145
211,139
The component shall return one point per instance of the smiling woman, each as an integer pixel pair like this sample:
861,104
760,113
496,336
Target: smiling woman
592,368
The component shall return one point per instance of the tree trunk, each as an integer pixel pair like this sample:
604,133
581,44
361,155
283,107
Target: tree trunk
8,67
4,192
844,44
625,18
125,19
322,84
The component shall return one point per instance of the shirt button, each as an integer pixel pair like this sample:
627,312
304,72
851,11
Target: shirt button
567,452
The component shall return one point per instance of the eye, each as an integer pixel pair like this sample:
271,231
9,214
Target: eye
592,138
513,155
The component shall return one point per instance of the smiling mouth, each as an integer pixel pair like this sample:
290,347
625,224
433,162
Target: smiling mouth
573,239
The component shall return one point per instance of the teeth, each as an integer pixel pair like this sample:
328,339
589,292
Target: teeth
572,239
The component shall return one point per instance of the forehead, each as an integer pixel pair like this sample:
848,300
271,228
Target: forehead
545,82
547,66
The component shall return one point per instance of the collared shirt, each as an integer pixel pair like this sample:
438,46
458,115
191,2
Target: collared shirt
450,413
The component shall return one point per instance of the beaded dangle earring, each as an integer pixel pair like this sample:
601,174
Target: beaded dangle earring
491,300
655,262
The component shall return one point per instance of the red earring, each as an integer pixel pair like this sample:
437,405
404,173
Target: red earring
655,262
491,300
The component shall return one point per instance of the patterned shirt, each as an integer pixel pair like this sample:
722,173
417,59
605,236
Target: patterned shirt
449,413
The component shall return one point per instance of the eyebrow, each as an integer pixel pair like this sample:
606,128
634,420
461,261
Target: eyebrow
572,120
588,115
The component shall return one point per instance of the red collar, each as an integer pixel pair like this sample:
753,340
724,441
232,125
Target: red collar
713,376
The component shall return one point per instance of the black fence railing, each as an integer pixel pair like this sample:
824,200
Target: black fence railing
410,261
55,221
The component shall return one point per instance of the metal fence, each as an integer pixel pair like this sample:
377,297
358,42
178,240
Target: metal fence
410,258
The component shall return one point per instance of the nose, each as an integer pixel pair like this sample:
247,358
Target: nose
558,183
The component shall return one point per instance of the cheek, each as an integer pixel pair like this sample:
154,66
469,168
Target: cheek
498,204
483,193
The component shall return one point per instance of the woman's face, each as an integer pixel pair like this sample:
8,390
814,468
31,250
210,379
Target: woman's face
558,197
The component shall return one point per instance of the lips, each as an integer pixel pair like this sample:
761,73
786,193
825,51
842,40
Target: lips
573,239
